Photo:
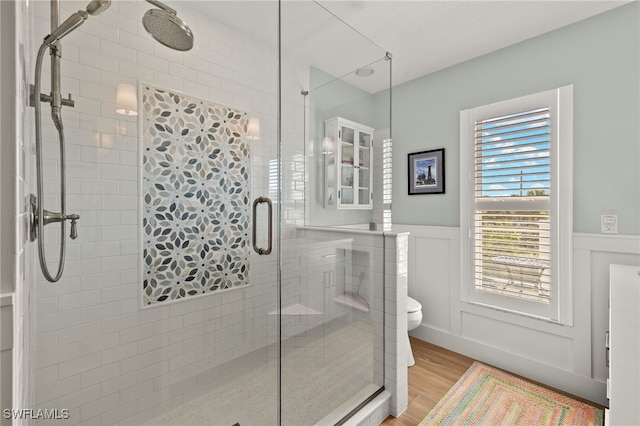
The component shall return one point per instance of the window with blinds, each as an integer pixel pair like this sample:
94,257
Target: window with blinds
516,201
511,190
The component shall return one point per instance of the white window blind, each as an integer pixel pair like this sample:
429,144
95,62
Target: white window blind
512,219
516,205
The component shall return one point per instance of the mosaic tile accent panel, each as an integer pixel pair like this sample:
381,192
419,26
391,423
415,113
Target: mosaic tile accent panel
195,184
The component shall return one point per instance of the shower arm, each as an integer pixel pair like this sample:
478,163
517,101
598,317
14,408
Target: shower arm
162,6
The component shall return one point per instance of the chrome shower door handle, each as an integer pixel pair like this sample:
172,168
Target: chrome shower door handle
257,201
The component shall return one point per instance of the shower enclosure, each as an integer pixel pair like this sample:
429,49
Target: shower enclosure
206,284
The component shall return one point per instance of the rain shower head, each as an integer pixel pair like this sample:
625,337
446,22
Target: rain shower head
162,24
168,29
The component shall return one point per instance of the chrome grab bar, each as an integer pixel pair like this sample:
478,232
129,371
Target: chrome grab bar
257,201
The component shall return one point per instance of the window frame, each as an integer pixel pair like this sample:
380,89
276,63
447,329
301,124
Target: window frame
560,104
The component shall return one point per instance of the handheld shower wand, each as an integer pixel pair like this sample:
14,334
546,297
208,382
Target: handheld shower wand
96,7
72,22
76,19
39,215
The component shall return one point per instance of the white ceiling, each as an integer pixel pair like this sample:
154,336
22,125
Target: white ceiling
427,36
423,36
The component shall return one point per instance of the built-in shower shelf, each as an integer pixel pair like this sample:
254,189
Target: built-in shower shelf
352,300
297,309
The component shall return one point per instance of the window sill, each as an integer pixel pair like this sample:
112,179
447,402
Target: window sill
517,318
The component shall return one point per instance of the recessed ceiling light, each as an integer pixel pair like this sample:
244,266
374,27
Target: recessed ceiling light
364,72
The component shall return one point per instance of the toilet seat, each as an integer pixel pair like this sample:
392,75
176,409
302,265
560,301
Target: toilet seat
413,305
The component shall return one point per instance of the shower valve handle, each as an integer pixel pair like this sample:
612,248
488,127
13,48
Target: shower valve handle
74,225
50,217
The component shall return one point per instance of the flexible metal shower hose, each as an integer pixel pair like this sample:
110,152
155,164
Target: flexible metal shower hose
39,177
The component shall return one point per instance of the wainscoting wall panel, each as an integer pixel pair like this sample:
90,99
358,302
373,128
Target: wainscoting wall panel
434,252
570,358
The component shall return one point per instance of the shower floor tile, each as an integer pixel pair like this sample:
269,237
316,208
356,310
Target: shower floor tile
318,375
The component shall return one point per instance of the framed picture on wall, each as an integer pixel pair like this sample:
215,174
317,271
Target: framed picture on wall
426,172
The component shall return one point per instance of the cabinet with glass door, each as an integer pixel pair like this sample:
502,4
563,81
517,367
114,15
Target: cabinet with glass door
348,154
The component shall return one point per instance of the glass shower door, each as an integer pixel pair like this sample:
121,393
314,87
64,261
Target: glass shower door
164,315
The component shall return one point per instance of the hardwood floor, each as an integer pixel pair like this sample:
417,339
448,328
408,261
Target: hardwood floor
436,371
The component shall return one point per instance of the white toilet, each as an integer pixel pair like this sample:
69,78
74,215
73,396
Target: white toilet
414,319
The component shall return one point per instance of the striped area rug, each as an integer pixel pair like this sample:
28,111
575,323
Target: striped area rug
488,396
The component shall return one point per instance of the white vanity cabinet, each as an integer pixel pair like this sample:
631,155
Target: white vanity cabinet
623,386
348,156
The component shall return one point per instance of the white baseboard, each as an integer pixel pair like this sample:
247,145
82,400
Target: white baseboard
584,387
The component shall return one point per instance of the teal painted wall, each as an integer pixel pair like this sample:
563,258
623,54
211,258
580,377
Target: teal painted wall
600,56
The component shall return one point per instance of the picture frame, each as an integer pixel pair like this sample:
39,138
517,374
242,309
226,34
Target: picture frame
426,172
